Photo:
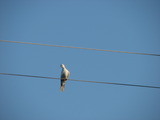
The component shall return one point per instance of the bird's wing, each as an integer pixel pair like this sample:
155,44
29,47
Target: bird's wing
65,74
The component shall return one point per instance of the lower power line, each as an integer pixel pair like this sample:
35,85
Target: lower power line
82,80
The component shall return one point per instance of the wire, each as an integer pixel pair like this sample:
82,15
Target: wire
82,80
81,48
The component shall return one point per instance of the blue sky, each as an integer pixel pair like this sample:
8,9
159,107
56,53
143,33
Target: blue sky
125,25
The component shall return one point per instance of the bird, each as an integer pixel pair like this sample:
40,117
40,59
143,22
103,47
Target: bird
64,76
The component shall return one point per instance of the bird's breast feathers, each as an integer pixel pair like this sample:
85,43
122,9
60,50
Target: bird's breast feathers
65,73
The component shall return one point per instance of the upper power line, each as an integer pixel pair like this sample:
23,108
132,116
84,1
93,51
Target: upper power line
122,84
81,48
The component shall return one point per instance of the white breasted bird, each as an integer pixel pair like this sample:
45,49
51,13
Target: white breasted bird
64,76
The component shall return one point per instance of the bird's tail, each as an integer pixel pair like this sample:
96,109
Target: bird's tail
62,86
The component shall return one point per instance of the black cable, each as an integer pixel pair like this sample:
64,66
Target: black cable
81,48
82,80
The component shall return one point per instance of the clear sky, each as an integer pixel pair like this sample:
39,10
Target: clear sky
125,25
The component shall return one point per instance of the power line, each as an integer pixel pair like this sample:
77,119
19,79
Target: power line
82,80
80,48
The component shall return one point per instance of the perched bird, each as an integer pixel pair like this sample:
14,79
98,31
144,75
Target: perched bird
64,76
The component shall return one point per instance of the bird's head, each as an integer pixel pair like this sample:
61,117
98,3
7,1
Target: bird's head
62,66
